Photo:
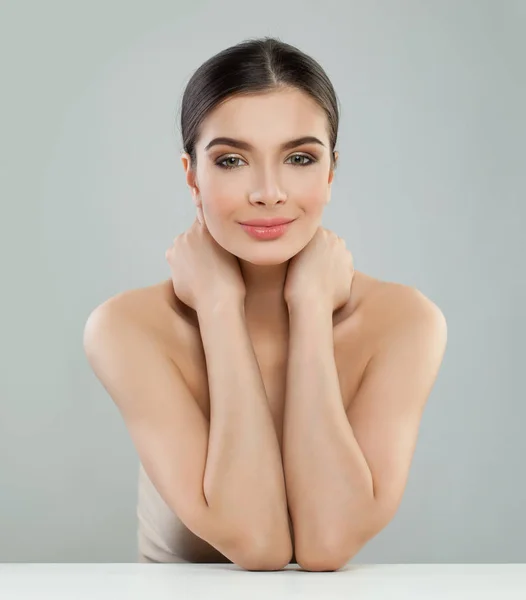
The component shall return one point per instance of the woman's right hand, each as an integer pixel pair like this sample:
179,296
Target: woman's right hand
203,272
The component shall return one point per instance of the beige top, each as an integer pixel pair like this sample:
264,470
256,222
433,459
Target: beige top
163,537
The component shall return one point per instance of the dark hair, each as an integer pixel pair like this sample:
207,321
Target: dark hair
254,66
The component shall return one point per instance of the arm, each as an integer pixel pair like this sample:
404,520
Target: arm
244,478
345,472
171,436
326,475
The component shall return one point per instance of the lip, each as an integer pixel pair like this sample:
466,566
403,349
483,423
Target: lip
272,222
267,233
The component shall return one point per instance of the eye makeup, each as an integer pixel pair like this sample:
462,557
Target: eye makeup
219,162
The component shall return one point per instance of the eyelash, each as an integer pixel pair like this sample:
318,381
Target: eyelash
218,163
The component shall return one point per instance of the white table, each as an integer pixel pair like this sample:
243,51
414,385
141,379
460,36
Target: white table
134,581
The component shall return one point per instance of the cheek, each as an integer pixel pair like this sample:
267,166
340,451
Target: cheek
315,199
310,191
219,197
220,205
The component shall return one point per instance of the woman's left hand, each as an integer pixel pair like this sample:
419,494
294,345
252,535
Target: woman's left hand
321,272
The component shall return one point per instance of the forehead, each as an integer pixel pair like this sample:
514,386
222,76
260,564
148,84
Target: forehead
272,117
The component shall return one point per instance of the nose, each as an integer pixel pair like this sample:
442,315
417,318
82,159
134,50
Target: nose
268,191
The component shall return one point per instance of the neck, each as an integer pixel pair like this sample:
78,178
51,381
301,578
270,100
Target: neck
265,307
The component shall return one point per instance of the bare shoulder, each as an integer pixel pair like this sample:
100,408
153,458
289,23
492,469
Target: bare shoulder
153,309
389,308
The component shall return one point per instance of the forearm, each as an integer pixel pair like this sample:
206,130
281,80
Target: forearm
328,480
243,481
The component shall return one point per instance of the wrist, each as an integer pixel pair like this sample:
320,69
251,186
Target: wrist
220,308
310,306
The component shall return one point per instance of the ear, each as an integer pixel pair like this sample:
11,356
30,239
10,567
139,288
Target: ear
191,179
331,173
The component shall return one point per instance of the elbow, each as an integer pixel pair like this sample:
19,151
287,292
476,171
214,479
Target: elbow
264,550
260,555
332,553
328,557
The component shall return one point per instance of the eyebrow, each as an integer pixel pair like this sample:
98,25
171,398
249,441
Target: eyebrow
307,139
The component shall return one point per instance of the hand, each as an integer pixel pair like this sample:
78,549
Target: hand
321,272
203,272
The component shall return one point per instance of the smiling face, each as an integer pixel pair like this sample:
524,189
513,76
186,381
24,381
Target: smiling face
267,176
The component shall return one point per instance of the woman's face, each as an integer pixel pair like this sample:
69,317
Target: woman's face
234,184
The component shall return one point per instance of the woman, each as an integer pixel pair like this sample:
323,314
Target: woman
272,392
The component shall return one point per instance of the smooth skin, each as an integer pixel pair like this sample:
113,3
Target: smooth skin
210,436
204,273
263,181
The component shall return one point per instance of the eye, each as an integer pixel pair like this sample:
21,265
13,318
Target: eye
303,164
221,165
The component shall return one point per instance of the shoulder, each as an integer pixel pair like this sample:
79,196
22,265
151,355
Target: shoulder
129,347
382,312
149,312
403,314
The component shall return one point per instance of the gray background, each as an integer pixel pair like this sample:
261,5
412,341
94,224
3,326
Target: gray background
430,192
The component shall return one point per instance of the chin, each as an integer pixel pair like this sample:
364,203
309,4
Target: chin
262,262
269,253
